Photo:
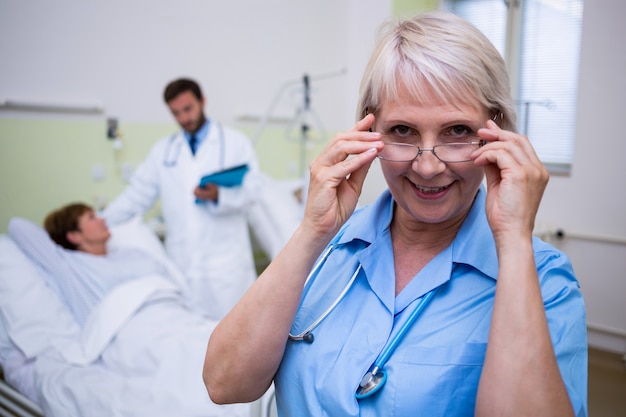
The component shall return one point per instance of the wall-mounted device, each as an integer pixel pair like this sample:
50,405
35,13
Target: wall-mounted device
112,128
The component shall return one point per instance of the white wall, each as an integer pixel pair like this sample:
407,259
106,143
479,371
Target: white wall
592,201
122,53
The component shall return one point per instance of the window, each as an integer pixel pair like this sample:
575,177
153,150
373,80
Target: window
540,41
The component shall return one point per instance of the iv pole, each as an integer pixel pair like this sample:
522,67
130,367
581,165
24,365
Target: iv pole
302,114
304,126
527,103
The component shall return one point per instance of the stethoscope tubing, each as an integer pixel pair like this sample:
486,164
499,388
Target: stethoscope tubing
306,334
386,353
376,377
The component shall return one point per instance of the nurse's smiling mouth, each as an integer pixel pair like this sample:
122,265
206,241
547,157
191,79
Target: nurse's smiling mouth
430,192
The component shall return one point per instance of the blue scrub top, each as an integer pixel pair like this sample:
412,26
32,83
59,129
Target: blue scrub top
436,368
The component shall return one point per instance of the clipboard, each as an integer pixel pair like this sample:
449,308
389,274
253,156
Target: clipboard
230,177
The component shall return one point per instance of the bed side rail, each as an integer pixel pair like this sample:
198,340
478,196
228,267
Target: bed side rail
14,404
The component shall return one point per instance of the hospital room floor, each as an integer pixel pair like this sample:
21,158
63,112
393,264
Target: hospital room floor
607,384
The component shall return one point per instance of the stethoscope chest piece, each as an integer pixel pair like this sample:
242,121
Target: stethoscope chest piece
371,382
375,377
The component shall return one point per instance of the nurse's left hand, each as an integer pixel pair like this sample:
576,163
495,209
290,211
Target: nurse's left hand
208,193
516,180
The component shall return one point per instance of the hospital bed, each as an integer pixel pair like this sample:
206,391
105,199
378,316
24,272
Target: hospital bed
140,352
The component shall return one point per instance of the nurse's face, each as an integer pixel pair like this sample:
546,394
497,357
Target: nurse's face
429,192
188,111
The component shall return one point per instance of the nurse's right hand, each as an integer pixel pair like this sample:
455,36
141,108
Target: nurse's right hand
336,178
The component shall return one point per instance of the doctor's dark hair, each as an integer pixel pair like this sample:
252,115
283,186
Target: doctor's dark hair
441,51
179,86
63,220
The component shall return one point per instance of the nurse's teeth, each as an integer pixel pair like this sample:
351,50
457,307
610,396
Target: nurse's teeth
431,189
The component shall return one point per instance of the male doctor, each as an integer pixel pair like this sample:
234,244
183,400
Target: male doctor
206,229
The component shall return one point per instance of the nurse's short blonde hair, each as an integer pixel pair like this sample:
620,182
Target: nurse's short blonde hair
445,53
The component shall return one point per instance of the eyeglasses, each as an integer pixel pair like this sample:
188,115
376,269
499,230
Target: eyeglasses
448,152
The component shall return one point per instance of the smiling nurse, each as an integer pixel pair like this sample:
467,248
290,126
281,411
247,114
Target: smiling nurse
436,299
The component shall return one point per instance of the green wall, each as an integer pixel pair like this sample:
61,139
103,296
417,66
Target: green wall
408,8
46,163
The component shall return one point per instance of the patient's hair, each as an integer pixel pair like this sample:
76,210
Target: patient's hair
63,220
180,86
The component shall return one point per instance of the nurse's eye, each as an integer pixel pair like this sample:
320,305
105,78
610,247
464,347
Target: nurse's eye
402,133
458,133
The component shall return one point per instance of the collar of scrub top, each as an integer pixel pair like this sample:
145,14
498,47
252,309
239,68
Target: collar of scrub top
200,134
474,232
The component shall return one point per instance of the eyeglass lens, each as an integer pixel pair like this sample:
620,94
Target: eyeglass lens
450,152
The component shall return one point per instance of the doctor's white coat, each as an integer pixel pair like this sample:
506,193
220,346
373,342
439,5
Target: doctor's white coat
208,241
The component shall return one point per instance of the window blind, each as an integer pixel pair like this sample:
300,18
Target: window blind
545,47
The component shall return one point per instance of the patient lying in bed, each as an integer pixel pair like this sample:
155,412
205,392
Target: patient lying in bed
103,327
79,267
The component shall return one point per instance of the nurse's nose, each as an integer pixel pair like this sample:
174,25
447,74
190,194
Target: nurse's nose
426,163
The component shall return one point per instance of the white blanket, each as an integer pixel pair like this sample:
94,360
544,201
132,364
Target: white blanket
140,354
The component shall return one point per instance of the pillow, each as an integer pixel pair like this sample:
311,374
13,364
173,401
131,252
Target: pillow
33,315
274,216
135,233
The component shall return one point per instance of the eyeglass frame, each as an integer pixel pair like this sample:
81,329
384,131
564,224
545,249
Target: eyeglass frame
498,115
421,150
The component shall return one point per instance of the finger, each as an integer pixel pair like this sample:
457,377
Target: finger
358,167
502,166
517,145
508,158
347,144
365,123
500,157
359,132
493,133
348,155
354,168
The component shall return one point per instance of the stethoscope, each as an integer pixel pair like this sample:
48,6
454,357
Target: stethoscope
172,150
375,378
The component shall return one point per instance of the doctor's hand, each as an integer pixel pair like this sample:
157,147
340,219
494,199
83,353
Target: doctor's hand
337,175
516,180
208,193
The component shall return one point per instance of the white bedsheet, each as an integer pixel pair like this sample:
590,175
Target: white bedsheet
140,354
